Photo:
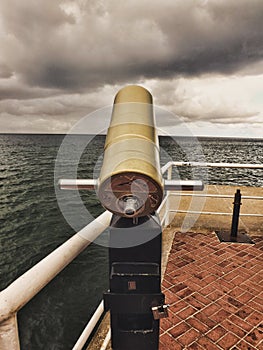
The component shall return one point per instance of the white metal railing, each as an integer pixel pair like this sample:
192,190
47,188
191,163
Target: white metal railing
211,165
18,293
24,288
106,341
166,201
213,195
213,213
89,328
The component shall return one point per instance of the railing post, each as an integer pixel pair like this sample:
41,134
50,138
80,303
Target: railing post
9,338
234,236
235,218
167,205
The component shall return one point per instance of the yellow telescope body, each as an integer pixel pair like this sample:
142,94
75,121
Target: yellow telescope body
130,182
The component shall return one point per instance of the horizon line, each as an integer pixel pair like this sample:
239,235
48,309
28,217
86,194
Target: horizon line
185,136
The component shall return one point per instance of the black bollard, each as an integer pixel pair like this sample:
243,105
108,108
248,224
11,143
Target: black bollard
235,218
234,236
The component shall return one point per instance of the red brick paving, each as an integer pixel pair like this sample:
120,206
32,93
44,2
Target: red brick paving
215,292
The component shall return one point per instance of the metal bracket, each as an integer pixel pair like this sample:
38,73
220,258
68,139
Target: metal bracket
169,185
160,311
183,185
77,184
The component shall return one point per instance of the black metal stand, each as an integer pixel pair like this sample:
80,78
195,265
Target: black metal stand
135,300
235,236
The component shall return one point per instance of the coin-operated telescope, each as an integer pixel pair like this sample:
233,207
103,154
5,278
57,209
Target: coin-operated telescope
131,186
130,182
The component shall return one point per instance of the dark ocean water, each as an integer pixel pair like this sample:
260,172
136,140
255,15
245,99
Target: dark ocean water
32,224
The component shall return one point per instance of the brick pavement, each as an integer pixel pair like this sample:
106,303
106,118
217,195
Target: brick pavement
215,292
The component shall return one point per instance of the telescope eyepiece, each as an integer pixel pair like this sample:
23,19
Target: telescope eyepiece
130,205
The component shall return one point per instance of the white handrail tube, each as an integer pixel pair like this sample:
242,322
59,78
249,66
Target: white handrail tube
211,165
23,289
77,184
106,341
212,195
89,328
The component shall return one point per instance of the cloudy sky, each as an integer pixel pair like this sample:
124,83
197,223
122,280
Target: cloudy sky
201,59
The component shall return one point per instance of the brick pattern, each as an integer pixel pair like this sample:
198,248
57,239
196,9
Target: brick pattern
215,292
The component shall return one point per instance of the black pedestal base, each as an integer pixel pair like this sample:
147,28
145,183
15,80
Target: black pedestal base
242,237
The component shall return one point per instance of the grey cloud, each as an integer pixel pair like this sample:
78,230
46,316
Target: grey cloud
69,106
105,43
57,106
5,71
63,59
222,118
180,116
31,21
34,125
189,101
14,90
55,114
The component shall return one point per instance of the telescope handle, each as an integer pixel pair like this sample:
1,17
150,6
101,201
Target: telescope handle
169,185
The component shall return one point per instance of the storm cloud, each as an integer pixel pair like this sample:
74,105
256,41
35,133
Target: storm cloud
52,49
